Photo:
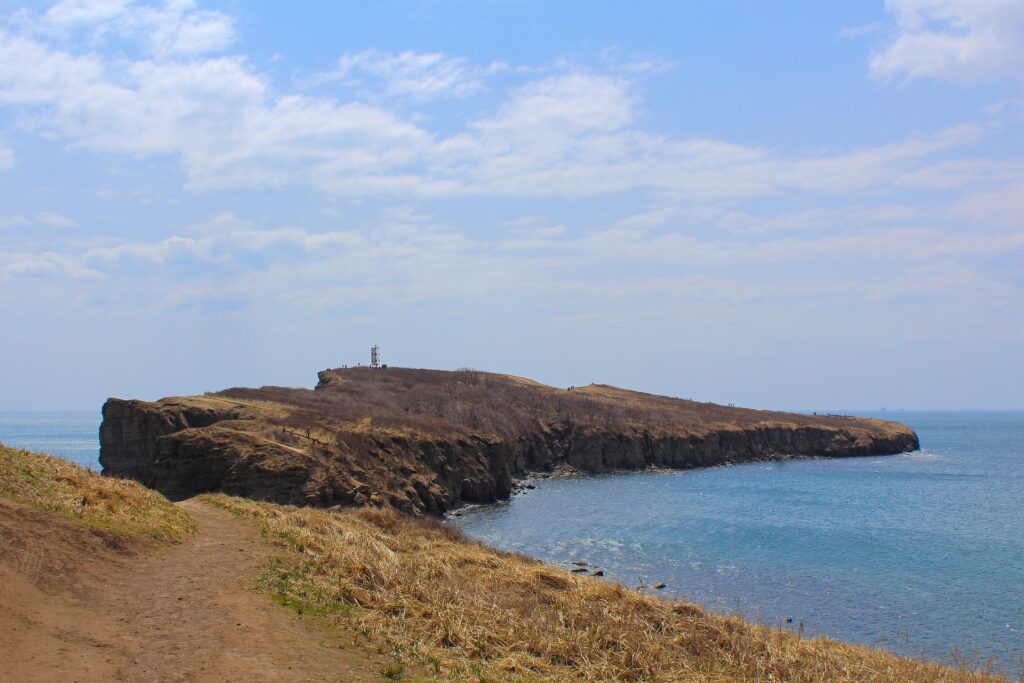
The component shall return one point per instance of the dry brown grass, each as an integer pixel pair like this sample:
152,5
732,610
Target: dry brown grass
466,402
55,485
478,614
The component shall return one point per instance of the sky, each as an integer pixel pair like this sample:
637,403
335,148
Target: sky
798,205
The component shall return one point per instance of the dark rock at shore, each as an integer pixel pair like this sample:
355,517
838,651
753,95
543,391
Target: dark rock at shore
425,440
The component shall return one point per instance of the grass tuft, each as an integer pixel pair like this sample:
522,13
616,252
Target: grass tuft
393,672
48,483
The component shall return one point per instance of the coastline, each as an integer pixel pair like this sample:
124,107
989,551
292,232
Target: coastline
522,482
674,584
430,602
850,568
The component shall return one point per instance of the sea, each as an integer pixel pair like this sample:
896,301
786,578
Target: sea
920,553
72,435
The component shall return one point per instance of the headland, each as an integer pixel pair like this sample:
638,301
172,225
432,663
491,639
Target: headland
423,441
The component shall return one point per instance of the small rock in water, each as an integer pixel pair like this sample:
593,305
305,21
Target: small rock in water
599,572
530,486
577,570
789,620
580,563
658,586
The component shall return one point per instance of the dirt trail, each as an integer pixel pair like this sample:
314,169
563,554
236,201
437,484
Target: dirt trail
84,605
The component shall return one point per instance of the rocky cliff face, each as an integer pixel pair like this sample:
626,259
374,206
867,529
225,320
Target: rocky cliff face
423,441
182,447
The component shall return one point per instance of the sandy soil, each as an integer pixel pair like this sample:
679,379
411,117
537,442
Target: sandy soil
84,605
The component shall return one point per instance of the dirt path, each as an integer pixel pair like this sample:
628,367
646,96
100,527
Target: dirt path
83,606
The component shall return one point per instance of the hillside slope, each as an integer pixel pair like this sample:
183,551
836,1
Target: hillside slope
105,580
424,440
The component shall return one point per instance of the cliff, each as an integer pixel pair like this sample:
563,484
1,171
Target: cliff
424,440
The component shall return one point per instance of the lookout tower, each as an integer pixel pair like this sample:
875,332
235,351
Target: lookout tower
374,356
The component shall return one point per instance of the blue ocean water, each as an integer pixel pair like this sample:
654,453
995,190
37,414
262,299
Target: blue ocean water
921,553
70,435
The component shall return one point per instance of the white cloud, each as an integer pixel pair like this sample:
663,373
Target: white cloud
195,33
406,259
572,134
416,75
49,218
54,220
571,104
173,27
635,64
862,30
748,223
46,265
955,40
6,157
33,74
1002,207
15,221
71,12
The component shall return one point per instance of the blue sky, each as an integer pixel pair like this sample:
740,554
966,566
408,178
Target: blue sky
802,205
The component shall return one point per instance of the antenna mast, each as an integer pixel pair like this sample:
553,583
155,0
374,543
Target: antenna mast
374,356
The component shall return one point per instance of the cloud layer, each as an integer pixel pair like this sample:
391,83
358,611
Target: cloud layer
543,192
955,40
571,133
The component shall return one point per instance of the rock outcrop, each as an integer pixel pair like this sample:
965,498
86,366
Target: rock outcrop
424,440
